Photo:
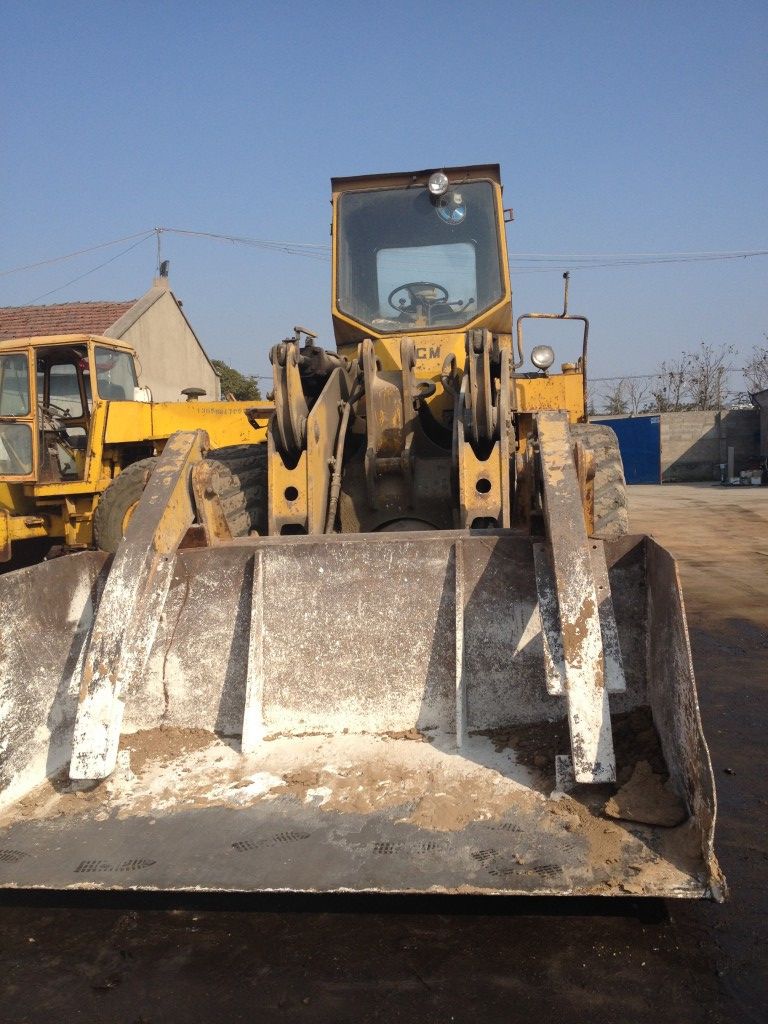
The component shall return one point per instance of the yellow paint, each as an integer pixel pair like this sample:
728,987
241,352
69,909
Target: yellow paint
225,423
288,489
556,391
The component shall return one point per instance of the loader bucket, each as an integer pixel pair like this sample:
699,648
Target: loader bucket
353,713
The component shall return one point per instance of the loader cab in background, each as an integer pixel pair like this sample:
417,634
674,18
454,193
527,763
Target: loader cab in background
47,393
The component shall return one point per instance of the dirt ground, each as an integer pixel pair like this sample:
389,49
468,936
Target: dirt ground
145,960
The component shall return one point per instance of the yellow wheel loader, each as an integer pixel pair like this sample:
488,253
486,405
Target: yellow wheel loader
442,665
79,437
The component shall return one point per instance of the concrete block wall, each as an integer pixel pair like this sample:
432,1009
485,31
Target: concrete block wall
694,444
761,401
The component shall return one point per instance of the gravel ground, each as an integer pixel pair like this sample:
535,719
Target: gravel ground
136,960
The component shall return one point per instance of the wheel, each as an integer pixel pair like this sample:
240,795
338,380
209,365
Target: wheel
117,503
240,481
610,512
241,484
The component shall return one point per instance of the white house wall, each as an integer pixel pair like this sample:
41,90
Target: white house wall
169,355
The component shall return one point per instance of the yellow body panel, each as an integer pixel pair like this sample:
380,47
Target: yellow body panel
563,391
226,423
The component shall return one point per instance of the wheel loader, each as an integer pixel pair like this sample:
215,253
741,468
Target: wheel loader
435,661
79,436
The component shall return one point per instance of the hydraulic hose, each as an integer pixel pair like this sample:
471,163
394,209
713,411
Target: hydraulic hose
333,500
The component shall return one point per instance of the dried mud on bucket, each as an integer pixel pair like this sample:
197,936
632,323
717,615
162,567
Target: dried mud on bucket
409,784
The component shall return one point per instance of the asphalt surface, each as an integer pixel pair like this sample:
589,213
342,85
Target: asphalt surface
136,960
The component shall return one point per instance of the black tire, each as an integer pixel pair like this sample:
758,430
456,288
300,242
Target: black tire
611,511
109,519
241,484
240,481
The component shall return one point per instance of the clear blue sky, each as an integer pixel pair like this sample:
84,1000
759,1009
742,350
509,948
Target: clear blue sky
620,127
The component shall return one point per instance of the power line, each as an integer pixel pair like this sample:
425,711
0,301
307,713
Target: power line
31,302
637,255
71,255
314,250
618,263
321,251
659,374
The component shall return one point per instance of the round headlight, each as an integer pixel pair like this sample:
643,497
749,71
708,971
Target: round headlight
542,357
438,183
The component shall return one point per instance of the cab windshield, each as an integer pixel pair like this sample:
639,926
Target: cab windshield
408,260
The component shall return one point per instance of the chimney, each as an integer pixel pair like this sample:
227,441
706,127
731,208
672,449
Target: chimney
162,280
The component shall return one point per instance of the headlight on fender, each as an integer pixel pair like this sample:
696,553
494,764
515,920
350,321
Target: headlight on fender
542,357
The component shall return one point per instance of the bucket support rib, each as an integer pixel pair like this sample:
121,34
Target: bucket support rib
573,573
129,611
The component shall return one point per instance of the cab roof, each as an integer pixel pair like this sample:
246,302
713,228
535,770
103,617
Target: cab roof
456,175
59,340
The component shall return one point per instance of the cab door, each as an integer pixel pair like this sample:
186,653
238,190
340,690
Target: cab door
18,436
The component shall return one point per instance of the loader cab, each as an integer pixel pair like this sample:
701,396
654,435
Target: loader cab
47,393
419,254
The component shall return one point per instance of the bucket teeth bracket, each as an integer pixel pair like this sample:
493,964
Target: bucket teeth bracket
578,625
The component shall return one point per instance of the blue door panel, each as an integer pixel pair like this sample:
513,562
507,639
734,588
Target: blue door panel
640,445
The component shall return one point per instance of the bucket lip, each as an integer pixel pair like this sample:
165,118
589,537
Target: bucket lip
709,890
627,542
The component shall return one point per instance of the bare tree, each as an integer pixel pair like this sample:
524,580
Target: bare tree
615,401
637,390
591,407
669,389
756,370
708,376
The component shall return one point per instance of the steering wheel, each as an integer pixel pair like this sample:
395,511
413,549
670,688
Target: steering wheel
416,293
59,410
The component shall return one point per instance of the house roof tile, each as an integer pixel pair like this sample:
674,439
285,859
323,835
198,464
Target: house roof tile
61,318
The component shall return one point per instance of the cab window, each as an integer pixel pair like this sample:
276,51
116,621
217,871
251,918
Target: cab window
410,261
15,438
64,391
115,374
14,385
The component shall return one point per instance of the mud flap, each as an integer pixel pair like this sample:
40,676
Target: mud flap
402,736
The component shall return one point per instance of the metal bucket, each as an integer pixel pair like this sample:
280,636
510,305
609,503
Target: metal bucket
357,712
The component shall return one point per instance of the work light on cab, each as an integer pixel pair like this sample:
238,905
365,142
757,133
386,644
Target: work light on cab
438,183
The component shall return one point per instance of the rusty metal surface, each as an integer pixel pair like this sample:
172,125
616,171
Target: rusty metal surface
300,476
483,433
290,419
334,657
210,514
577,602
